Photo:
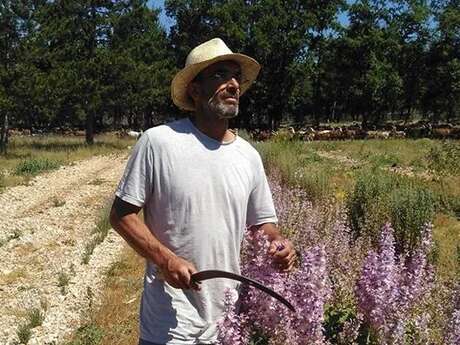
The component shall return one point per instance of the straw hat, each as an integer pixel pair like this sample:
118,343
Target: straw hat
203,56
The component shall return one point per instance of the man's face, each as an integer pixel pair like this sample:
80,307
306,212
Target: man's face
218,89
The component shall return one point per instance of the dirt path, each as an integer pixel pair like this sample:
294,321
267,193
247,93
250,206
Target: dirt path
44,228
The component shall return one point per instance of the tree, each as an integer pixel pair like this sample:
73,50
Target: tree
277,33
370,48
72,37
10,41
442,96
142,64
411,23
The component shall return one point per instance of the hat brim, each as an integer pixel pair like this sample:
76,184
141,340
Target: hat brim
249,70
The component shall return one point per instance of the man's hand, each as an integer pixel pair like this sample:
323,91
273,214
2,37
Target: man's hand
281,249
283,253
178,271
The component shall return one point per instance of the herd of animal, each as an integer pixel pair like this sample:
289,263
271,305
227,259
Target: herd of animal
355,132
352,132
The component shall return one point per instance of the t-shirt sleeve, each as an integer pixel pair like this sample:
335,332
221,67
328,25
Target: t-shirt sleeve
260,206
136,185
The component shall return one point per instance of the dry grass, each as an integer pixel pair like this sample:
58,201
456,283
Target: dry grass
404,152
13,277
446,235
117,317
24,249
59,150
124,284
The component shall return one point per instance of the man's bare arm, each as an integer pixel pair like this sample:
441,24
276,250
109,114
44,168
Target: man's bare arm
281,249
124,219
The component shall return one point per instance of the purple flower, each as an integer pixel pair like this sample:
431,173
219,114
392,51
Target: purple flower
307,289
389,286
452,334
230,327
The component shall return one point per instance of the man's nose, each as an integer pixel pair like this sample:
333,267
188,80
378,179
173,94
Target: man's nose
233,86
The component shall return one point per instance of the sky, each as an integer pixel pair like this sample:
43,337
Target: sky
165,21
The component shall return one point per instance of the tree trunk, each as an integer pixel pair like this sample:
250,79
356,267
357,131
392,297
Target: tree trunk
90,128
4,135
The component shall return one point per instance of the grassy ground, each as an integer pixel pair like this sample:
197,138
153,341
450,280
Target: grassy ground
406,168
436,163
116,320
28,156
323,169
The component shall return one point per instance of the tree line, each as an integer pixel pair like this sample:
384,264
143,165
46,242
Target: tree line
99,64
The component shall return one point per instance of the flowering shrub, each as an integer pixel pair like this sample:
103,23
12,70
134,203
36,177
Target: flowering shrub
390,285
307,289
452,336
453,330
344,291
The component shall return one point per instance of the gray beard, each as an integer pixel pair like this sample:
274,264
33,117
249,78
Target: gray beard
221,110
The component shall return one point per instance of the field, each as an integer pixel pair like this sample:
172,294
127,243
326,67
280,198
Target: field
331,170
55,240
333,198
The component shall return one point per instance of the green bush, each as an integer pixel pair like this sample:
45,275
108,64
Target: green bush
299,165
35,165
89,334
36,317
24,333
445,158
385,159
410,208
379,197
366,203
316,183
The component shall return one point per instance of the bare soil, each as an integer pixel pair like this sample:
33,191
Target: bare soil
44,228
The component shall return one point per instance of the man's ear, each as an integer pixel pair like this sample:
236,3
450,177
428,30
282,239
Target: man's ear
193,90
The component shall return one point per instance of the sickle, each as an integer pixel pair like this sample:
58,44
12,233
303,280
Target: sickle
211,274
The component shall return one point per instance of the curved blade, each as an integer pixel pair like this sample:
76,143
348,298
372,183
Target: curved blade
211,274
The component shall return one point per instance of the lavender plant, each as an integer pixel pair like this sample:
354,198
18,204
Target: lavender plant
307,289
390,285
344,291
452,336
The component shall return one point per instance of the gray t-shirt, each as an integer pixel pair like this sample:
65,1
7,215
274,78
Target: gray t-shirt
198,196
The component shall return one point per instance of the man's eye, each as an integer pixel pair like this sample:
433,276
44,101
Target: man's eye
224,76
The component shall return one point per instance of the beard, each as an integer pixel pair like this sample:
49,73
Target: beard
222,110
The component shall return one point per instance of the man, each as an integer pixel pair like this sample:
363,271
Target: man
199,186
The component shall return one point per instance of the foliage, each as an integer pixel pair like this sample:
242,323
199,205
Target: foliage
410,208
102,64
445,158
24,333
62,150
36,317
378,197
307,289
100,232
35,165
391,284
299,166
89,334
452,334
351,293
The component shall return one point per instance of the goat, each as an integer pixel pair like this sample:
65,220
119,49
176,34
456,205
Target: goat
134,134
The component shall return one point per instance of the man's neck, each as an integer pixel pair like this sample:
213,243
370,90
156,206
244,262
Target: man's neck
213,127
